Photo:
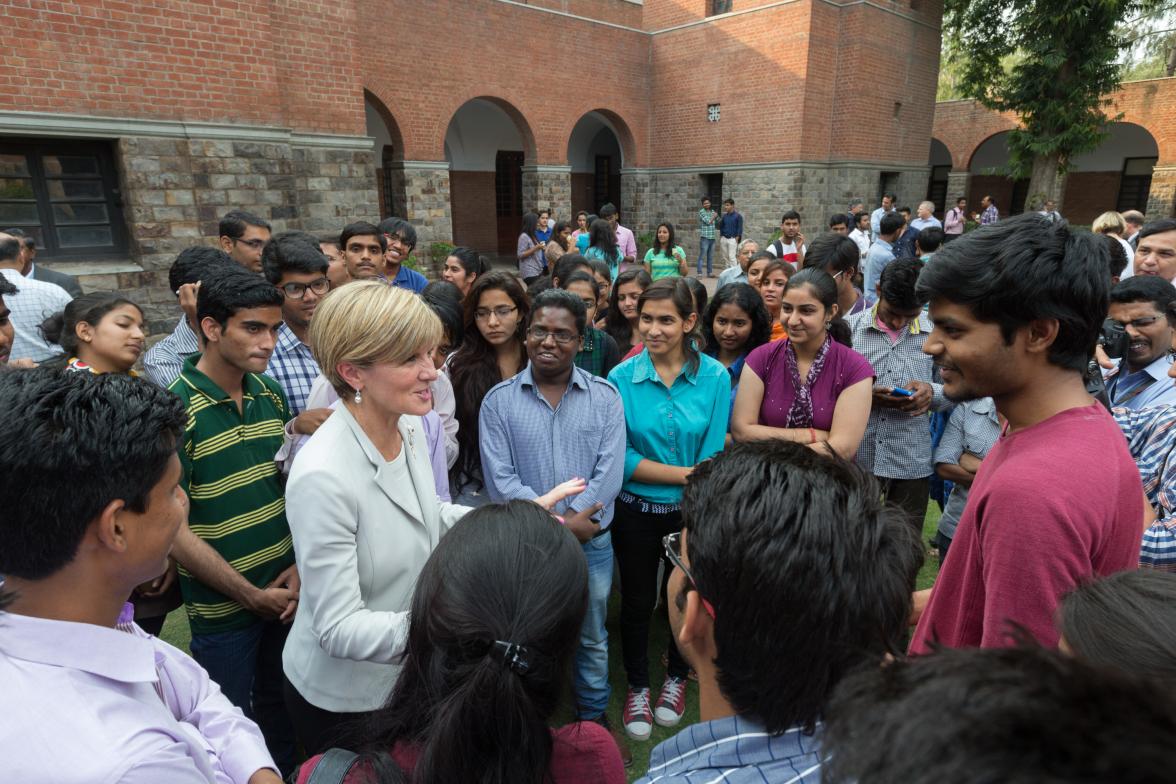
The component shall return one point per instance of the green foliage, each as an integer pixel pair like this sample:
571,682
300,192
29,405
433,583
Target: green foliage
1051,63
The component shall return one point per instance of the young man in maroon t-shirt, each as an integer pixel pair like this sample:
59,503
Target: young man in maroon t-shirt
1017,308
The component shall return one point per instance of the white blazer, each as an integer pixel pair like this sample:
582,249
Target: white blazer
359,552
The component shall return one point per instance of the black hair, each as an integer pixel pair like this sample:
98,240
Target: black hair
959,199
1125,622
602,237
599,267
1020,715
760,254
930,239
7,288
1116,256
1026,268
579,276
678,292
473,369
890,195
990,199
747,299
809,574
825,289
839,219
329,239
730,201
292,251
26,239
530,226
556,230
470,260
363,229
607,210
10,248
80,442
833,253
699,292
790,215
445,300
566,265
229,290
905,209
704,198
890,222
1161,226
1144,288
616,325
234,223
558,298
897,284
400,227
859,216
61,327
194,264
505,575
668,249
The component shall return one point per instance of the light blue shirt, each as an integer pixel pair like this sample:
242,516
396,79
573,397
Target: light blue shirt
733,274
876,220
679,426
528,447
735,750
881,253
918,224
1143,388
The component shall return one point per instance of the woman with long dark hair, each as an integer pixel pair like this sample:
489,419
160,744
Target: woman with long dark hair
677,402
492,351
462,268
735,323
773,281
559,243
623,315
811,387
602,244
665,259
495,624
532,264
101,332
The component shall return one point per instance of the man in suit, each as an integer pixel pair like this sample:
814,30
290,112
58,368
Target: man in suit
31,270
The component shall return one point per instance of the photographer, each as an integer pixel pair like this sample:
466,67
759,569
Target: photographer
1138,377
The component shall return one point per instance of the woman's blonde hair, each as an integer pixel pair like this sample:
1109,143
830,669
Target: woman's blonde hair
369,323
1109,222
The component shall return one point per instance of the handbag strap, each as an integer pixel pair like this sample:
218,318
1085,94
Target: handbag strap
333,767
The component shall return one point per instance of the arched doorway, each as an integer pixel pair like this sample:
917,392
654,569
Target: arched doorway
389,149
597,148
940,160
486,144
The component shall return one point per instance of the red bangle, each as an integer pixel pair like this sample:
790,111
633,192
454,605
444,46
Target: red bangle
812,436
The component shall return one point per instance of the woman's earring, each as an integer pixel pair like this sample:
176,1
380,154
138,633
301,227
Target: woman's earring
358,397
828,324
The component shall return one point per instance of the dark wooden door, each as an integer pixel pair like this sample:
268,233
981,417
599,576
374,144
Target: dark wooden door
508,198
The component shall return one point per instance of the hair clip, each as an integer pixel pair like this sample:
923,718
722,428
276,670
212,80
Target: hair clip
513,656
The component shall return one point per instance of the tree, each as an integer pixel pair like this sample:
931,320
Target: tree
1067,61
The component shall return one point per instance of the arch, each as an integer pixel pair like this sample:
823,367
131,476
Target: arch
613,122
596,154
381,125
940,153
389,154
991,155
484,106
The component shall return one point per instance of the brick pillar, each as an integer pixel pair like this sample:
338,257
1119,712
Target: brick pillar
548,187
426,200
1161,199
958,183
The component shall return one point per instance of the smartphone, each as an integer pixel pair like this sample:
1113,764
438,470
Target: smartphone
900,392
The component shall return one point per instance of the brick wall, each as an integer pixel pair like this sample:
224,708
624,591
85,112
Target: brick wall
473,224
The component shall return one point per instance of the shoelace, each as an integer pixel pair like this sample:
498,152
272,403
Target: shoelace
672,690
638,702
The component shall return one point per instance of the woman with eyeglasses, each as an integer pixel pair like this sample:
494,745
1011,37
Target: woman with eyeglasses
677,402
492,350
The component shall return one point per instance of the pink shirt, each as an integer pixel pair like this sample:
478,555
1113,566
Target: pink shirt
844,367
1052,505
626,242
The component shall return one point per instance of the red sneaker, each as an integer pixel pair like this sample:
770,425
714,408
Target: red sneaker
638,718
671,704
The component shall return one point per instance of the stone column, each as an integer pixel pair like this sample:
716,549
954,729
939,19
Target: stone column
550,188
426,200
637,208
958,183
1161,199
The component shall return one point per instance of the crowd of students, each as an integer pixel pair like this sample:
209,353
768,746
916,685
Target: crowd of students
392,508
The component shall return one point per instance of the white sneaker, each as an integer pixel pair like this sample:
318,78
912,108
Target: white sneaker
638,718
671,704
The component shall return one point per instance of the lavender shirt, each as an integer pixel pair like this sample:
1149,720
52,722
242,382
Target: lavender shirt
844,367
85,703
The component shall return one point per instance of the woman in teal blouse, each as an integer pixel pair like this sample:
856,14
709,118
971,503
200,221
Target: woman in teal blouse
665,259
677,402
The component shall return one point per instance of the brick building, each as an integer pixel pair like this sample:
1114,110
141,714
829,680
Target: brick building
130,126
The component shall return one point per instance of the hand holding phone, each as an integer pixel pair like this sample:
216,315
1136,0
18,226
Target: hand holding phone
900,392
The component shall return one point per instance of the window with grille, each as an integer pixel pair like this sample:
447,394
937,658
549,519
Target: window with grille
64,194
719,7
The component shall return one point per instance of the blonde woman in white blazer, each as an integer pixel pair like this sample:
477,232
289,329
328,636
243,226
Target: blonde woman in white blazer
363,508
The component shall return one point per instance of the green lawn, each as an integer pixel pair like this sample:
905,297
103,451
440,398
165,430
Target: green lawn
175,631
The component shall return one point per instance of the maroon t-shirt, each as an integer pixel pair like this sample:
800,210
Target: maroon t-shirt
844,367
580,752
1052,505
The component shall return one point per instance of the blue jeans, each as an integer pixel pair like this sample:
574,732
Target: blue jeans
247,665
706,250
592,689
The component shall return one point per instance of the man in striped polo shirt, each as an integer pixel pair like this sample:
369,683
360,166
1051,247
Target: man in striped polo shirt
236,555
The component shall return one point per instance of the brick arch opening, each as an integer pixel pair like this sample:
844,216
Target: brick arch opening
599,146
389,150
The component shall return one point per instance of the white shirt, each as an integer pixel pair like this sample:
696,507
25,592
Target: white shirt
1129,270
34,302
862,238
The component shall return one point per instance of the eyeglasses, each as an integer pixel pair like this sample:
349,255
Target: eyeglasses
253,244
483,314
561,337
398,238
298,290
673,546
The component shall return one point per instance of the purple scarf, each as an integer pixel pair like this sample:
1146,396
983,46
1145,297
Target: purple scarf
801,413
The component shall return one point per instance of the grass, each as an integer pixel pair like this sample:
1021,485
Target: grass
176,631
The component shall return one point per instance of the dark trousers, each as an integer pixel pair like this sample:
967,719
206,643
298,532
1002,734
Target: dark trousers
318,729
637,542
247,665
910,495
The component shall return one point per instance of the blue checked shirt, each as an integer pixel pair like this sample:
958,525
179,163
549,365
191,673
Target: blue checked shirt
973,428
735,750
293,366
164,361
528,447
896,445
1151,439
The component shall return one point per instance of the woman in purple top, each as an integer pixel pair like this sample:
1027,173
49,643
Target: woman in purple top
811,387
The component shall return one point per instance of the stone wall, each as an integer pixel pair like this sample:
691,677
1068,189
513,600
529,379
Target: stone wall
548,187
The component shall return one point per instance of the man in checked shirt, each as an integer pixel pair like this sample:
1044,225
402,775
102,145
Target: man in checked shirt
896,448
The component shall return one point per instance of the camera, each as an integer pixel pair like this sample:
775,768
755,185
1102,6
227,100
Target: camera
1114,339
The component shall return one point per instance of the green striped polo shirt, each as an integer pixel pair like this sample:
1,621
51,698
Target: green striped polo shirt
235,488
